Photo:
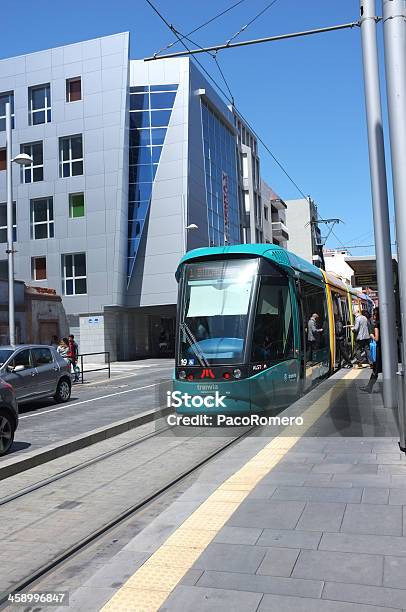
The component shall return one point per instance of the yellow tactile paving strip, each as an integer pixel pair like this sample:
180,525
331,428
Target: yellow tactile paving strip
151,584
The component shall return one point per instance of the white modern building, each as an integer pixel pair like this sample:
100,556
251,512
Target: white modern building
304,233
127,155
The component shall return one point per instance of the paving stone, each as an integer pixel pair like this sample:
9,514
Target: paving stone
321,517
152,537
118,570
231,558
361,594
238,535
192,576
270,514
87,599
375,495
318,494
262,584
263,491
278,562
347,468
397,497
380,545
373,519
394,573
286,538
339,567
280,603
211,600
397,481
365,480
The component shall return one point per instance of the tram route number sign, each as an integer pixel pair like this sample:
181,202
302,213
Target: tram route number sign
365,280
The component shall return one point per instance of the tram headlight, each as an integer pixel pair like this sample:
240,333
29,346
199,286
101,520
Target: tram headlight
237,373
182,374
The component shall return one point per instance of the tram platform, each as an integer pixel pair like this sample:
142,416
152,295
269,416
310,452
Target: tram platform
307,518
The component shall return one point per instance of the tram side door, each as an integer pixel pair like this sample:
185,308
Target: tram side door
305,369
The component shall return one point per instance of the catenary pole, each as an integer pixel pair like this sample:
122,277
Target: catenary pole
379,200
394,29
10,247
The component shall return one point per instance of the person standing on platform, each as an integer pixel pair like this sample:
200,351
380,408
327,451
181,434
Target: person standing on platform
377,365
362,339
342,349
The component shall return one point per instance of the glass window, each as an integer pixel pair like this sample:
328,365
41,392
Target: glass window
158,136
38,268
5,97
74,274
3,222
76,205
139,119
162,100
163,87
41,356
215,311
39,104
139,138
42,218
70,156
273,328
139,101
22,358
73,89
160,118
34,172
317,333
3,159
141,174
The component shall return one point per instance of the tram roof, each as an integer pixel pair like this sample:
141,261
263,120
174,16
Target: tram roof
273,252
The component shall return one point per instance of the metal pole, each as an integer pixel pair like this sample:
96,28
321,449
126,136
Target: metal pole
394,20
379,201
10,247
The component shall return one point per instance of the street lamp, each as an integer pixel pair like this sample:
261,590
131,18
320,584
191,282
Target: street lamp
192,226
24,160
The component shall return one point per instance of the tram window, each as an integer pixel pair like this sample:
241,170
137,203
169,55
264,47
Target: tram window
314,302
273,327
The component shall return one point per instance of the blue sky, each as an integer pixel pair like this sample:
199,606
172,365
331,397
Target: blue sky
304,97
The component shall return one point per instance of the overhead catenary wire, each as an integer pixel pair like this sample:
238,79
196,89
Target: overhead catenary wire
257,16
201,26
227,97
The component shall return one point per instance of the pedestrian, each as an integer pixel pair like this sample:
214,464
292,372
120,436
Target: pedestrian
362,339
73,356
341,346
63,348
313,333
377,365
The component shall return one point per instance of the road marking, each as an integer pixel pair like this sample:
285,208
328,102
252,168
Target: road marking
93,399
153,582
113,378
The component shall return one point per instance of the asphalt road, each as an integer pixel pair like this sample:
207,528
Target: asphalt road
132,389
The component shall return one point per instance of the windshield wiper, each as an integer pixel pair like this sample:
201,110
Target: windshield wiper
194,345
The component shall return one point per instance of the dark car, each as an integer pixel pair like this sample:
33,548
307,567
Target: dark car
8,416
35,371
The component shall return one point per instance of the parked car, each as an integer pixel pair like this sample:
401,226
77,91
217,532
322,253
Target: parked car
35,371
8,416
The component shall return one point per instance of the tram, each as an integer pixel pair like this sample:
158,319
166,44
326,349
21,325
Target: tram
243,327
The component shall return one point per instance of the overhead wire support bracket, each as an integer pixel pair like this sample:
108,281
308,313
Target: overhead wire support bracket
256,41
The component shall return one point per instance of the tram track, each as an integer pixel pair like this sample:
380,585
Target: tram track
46,569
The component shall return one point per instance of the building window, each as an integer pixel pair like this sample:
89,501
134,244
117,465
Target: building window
74,274
76,205
39,104
8,96
42,218
3,222
3,159
266,213
38,268
34,172
73,89
70,156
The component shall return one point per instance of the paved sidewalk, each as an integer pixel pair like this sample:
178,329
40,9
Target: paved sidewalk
310,523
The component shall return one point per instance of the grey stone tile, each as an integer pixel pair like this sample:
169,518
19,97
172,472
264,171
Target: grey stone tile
280,603
238,535
88,599
321,517
263,491
397,497
339,567
297,468
231,558
380,545
347,468
397,481
192,576
394,573
284,478
286,538
361,594
375,495
262,584
271,514
373,519
211,600
118,570
278,562
364,480
318,494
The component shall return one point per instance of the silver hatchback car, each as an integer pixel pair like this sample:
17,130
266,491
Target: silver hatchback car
35,371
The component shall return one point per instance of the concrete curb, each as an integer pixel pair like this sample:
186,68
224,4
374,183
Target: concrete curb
26,461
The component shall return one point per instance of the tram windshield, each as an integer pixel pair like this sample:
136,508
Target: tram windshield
214,313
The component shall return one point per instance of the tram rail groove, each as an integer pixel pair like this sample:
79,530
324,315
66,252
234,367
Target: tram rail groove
47,568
